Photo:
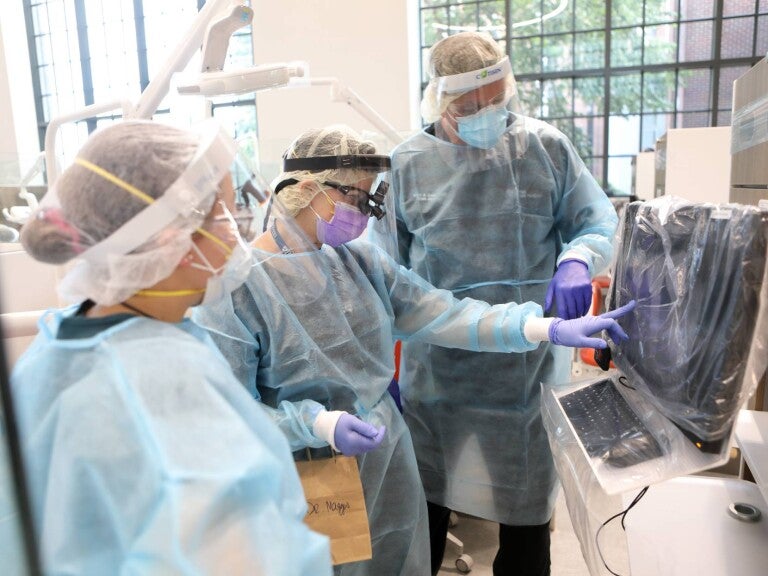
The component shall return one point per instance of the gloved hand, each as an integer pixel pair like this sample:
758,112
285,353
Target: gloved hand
577,332
352,436
571,289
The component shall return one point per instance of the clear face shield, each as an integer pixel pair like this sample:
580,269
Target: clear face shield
149,246
477,104
252,194
310,213
323,302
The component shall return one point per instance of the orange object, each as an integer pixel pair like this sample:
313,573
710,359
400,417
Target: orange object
398,345
587,355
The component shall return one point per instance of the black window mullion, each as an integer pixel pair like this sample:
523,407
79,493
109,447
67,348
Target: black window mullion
507,28
34,64
607,88
716,57
642,78
674,108
541,51
754,28
141,43
85,58
678,6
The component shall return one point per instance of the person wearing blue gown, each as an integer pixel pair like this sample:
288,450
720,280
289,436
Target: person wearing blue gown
311,333
496,206
143,452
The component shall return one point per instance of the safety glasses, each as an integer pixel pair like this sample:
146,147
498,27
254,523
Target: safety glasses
368,203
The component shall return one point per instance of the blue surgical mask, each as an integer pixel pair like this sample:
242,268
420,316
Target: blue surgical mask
484,128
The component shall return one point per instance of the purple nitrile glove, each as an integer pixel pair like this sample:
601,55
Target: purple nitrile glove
571,289
352,436
576,333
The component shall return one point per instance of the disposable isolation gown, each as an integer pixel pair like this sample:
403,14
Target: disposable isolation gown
14,561
491,225
146,456
316,330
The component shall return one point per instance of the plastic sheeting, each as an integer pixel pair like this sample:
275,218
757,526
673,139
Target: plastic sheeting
749,126
696,352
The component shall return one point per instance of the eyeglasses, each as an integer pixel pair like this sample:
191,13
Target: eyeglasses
470,107
368,204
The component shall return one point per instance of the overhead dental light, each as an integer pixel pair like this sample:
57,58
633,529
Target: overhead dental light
211,31
213,80
241,80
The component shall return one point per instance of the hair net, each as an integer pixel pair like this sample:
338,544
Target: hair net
97,211
334,140
458,54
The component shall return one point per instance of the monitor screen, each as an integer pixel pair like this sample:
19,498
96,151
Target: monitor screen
696,272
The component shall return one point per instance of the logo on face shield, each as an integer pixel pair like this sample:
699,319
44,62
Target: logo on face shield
486,73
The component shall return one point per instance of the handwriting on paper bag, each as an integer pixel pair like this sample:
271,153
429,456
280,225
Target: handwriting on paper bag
336,507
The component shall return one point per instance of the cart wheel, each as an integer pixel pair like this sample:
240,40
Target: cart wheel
453,519
464,563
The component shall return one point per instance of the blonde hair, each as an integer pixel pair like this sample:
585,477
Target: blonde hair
335,140
456,54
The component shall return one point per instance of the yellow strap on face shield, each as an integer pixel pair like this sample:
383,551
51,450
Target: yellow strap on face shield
119,182
114,179
168,293
141,195
216,240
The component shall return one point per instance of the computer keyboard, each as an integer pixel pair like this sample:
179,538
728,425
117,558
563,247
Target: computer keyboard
607,426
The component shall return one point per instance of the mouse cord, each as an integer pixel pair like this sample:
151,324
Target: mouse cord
623,515
624,382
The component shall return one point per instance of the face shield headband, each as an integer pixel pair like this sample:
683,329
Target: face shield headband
475,78
196,184
370,203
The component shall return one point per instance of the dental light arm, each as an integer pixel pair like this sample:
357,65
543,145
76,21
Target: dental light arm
159,86
217,38
342,93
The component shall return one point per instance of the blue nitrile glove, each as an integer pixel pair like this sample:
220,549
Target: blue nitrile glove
576,333
571,289
352,436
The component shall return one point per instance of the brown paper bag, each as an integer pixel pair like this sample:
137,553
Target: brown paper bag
336,505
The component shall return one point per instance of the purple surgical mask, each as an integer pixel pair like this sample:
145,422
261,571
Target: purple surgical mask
347,224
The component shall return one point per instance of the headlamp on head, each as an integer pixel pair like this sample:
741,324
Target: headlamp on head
369,202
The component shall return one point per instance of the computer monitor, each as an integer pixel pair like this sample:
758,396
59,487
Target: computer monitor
695,271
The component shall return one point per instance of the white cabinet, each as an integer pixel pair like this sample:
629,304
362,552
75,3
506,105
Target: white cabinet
696,164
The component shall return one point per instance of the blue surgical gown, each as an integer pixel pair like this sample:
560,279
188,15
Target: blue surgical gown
491,225
316,330
146,456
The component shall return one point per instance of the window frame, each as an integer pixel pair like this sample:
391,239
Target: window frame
718,111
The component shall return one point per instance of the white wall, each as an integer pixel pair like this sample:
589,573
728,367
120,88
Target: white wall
367,44
363,43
